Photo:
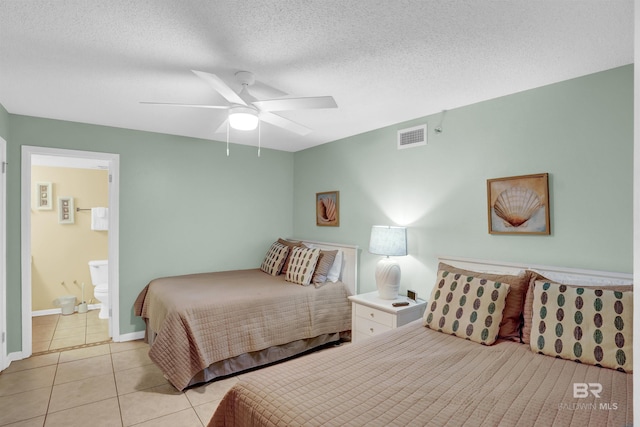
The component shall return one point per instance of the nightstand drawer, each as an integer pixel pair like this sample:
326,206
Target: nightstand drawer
370,327
373,315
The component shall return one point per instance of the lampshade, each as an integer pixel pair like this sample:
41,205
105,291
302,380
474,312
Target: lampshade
388,240
243,118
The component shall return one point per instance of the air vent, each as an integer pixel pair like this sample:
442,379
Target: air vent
412,137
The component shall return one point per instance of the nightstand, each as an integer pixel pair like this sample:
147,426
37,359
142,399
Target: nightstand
371,315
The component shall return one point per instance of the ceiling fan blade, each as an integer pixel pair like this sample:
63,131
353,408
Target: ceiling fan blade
287,124
171,104
223,127
221,87
296,103
264,91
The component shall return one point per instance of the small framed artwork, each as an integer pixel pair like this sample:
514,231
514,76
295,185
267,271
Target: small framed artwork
519,204
328,209
65,210
43,196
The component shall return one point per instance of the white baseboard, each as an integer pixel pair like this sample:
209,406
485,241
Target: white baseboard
12,357
131,336
50,311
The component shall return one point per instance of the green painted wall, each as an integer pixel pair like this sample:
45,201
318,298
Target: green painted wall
4,123
579,131
184,206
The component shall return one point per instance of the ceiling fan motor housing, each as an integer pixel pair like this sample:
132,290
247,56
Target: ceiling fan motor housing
245,78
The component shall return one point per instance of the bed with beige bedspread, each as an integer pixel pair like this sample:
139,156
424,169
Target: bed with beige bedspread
417,376
204,318
566,362
209,325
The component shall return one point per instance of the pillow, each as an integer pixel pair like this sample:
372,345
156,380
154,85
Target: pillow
334,272
512,315
467,307
302,265
593,326
290,244
274,260
528,301
325,261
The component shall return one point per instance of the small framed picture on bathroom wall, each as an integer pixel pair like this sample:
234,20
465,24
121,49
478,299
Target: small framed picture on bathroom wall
65,210
43,196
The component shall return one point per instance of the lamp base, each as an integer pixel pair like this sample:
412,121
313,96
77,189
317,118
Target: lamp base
388,278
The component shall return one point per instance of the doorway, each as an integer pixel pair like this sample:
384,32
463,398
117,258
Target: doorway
77,159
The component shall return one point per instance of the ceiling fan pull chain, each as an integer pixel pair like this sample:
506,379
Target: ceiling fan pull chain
259,134
227,138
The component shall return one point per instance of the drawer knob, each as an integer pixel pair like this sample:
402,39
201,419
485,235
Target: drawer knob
371,314
371,329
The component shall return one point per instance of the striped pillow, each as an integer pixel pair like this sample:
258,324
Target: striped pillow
274,260
325,261
302,265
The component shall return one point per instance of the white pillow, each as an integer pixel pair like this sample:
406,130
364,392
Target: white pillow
334,272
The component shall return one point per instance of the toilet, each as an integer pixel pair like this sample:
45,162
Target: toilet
100,278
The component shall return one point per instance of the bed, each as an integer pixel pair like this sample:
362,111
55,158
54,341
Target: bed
418,375
209,325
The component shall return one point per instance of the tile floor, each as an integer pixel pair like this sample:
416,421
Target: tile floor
111,384
57,331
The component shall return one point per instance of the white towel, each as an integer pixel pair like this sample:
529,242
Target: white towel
99,219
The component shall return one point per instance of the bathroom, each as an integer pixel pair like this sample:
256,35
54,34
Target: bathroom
69,231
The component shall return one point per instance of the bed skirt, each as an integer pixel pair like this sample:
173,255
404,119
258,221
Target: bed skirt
256,359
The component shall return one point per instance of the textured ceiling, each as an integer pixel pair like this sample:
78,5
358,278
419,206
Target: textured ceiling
384,62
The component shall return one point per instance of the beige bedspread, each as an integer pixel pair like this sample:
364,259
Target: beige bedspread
414,376
204,318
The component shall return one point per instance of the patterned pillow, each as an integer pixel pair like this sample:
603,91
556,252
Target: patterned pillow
274,260
302,265
290,244
467,307
528,301
325,261
512,314
593,326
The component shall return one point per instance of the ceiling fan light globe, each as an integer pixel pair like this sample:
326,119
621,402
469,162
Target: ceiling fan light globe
242,118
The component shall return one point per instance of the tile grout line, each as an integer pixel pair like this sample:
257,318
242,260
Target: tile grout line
53,382
73,347
115,382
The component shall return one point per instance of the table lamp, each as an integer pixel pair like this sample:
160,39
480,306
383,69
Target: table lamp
389,241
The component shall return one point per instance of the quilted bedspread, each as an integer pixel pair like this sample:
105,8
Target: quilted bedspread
417,376
204,318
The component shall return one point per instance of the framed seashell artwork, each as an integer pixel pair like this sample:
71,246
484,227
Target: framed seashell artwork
328,209
519,204
43,196
65,210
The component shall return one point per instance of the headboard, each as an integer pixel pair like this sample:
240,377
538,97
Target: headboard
558,274
349,273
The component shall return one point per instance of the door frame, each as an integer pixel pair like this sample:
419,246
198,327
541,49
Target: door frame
113,237
3,254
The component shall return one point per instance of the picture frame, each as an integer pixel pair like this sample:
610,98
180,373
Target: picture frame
66,210
43,196
328,209
519,204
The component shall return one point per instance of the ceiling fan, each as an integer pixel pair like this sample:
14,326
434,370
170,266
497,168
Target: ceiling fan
245,111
